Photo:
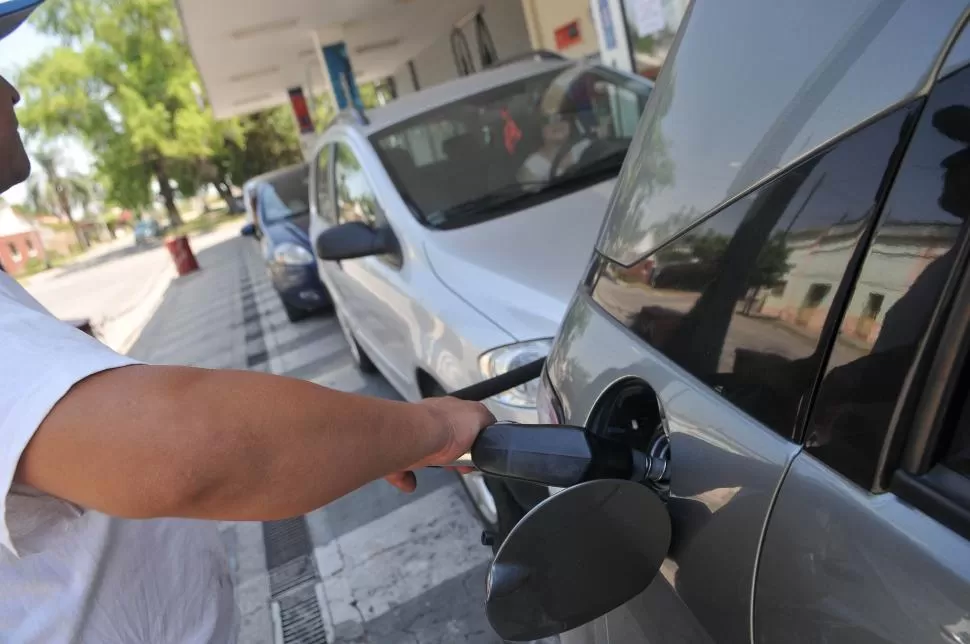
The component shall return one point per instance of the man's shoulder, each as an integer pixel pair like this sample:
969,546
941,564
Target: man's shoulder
14,293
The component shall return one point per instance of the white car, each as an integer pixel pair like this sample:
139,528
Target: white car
452,225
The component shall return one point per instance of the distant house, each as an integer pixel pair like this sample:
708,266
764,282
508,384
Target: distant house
19,241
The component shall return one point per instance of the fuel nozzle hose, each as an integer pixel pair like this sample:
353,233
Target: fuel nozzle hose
559,456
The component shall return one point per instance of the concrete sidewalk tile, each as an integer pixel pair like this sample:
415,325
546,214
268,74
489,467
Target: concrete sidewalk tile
392,567
398,557
450,613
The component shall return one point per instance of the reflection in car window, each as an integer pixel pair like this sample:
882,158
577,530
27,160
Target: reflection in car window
285,195
651,33
324,195
513,140
959,54
720,128
356,200
899,287
741,300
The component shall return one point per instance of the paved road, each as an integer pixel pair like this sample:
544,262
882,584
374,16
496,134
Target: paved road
116,286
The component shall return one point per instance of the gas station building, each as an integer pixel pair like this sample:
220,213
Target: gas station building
253,54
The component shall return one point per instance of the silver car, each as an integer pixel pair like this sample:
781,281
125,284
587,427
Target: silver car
799,362
452,225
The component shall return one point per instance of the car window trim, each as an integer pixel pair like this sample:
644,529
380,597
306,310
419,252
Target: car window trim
939,401
357,152
327,149
941,494
843,295
921,478
393,262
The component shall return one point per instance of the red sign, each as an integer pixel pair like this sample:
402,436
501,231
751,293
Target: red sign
511,133
568,35
301,111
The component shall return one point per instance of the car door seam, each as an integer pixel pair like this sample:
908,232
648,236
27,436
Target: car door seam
761,539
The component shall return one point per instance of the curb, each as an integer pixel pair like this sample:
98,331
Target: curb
141,314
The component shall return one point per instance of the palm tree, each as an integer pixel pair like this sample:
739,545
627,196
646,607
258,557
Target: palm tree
49,161
39,196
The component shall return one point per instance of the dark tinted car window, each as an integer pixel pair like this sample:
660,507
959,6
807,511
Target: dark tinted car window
356,200
958,455
909,261
741,300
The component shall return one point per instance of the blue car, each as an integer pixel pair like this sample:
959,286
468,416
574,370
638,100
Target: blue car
280,218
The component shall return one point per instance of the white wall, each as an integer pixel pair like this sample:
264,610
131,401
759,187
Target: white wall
436,64
545,16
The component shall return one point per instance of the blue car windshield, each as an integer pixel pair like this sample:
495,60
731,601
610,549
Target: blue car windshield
285,195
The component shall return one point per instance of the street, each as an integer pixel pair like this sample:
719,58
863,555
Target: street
116,285
376,566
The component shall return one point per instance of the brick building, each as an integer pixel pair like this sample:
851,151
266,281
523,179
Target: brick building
19,242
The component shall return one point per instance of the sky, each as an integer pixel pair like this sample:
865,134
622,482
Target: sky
16,51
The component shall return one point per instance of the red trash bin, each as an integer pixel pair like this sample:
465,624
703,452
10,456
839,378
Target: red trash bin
182,255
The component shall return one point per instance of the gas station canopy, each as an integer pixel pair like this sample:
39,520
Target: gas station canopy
249,52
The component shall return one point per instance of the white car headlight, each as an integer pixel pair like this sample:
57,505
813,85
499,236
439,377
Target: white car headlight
504,359
292,254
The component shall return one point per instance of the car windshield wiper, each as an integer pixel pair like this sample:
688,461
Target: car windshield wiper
500,198
520,191
610,162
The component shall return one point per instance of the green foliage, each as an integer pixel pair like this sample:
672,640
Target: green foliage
368,95
269,141
34,265
772,264
122,81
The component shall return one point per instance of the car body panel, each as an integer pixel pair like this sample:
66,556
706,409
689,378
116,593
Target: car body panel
770,542
420,315
710,506
424,311
492,265
842,565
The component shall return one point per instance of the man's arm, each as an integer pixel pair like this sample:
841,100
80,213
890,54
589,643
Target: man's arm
144,441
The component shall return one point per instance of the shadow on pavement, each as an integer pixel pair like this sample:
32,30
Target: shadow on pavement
105,258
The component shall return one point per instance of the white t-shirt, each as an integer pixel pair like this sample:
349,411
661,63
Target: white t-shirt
74,575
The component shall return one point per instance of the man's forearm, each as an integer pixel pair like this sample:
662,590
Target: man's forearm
176,441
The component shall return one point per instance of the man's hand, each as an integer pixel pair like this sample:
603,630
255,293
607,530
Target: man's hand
458,422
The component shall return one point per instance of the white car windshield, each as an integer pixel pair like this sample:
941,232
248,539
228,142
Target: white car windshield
533,139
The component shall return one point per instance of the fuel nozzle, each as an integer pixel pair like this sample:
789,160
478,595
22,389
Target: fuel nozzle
559,456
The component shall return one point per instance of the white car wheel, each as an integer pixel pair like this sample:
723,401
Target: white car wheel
481,497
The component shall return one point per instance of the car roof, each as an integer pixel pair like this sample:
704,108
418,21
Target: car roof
425,100
273,174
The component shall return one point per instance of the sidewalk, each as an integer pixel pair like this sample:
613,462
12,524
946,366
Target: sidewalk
375,567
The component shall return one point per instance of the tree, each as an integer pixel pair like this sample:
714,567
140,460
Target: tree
60,199
269,141
122,81
39,201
